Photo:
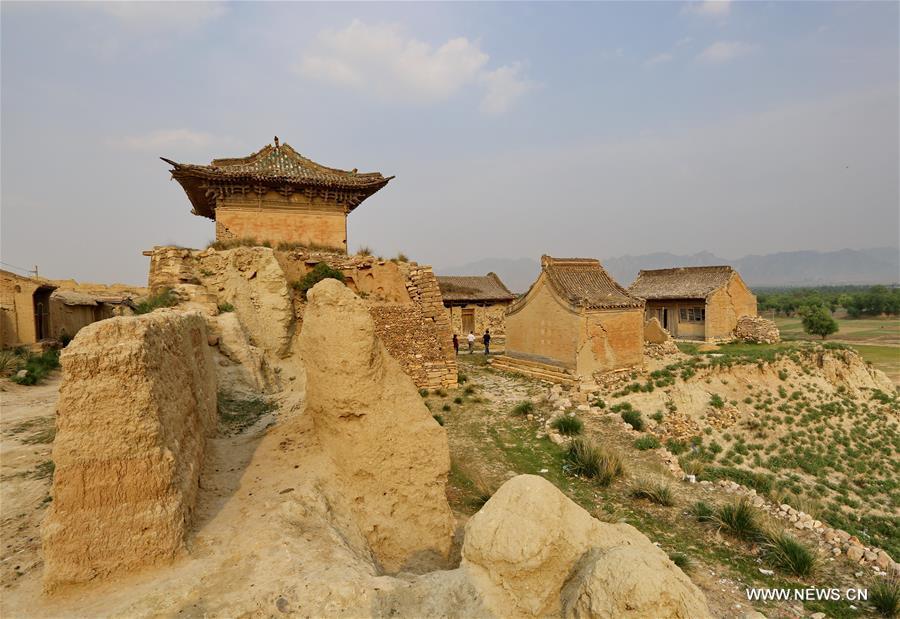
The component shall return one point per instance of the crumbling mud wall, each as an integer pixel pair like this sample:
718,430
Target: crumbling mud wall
402,297
137,402
392,457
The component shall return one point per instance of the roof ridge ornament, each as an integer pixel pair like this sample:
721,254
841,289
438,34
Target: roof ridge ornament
276,142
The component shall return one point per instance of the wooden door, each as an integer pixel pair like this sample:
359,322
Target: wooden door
468,321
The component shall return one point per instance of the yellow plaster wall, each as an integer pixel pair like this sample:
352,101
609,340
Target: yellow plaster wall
612,339
726,305
17,310
544,327
311,228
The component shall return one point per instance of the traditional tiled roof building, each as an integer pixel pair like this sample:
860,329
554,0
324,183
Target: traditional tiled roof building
695,302
277,195
575,320
476,303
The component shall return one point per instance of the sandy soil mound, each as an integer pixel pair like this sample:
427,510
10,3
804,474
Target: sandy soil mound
137,400
529,540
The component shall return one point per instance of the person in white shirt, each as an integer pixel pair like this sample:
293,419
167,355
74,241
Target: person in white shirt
471,339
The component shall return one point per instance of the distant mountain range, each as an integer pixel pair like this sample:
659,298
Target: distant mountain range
880,265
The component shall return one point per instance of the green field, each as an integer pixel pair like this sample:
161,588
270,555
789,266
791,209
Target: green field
853,330
876,339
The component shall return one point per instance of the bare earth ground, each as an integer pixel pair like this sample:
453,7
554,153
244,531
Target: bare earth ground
246,538
26,431
253,538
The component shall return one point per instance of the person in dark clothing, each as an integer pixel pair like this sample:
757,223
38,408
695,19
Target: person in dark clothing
456,343
487,341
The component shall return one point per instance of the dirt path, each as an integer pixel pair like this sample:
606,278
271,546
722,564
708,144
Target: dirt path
27,427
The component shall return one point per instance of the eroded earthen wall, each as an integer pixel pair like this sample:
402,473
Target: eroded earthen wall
136,404
391,456
403,298
725,306
613,339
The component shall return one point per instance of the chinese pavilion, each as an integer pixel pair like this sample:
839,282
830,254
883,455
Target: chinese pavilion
277,195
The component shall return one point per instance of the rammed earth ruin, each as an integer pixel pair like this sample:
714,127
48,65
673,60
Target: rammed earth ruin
350,471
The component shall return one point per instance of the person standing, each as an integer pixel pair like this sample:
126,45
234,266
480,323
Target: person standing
486,338
471,339
456,344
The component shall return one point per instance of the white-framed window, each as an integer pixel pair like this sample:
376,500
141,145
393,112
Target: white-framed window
692,314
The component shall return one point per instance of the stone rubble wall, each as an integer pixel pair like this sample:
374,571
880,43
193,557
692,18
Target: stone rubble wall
137,402
834,542
756,330
490,316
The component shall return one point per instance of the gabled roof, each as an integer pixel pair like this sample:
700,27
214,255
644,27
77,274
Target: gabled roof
680,282
584,283
473,288
277,167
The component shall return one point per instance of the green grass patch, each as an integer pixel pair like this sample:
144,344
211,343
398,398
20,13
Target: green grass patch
760,482
683,561
567,426
740,519
654,490
319,272
790,555
37,367
588,459
647,442
163,298
236,414
523,408
634,419
884,596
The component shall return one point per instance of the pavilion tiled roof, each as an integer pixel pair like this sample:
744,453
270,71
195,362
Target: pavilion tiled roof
277,167
473,288
584,282
680,282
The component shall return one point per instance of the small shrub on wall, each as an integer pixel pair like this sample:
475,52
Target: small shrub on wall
320,271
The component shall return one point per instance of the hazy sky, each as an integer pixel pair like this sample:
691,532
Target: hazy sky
513,129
